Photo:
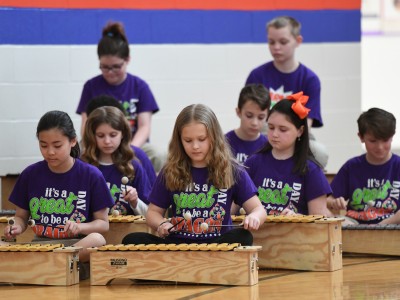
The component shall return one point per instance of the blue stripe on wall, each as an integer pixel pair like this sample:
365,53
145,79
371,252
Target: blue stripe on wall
76,26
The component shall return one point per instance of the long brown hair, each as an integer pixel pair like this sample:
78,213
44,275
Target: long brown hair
221,165
122,157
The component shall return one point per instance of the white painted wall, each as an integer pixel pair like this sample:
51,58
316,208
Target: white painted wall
36,79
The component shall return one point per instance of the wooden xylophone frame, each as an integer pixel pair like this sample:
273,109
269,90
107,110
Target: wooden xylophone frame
371,239
56,267
310,243
120,226
235,267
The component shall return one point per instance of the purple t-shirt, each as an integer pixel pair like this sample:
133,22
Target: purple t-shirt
372,190
279,188
54,198
204,202
140,182
281,85
146,164
243,149
134,94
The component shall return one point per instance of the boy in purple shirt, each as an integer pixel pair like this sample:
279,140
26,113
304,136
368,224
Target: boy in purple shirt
368,185
285,75
252,110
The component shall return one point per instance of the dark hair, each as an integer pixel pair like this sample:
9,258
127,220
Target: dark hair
257,93
302,150
103,100
283,21
113,41
61,121
378,122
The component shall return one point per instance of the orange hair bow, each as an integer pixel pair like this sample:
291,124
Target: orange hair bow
299,105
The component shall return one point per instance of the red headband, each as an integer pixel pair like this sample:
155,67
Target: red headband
298,106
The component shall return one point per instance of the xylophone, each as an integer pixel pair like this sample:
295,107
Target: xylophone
225,264
299,242
371,239
47,264
120,226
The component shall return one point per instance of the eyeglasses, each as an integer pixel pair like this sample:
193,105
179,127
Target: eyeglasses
113,68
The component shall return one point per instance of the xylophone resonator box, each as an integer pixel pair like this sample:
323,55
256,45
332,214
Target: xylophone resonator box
39,264
120,226
224,264
372,239
311,243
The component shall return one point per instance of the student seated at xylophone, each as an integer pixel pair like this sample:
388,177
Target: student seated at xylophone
253,107
106,100
200,180
288,178
68,199
106,145
368,185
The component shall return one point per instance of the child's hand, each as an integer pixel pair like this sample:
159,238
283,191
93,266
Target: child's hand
11,231
251,222
163,229
72,227
337,203
131,196
287,212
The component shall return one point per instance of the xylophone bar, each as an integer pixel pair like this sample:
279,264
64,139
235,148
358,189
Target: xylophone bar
371,239
39,264
311,243
232,267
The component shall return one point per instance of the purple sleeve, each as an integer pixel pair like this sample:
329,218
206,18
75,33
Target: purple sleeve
141,182
339,183
147,101
85,97
146,164
159,195
316,185
313,90
244,188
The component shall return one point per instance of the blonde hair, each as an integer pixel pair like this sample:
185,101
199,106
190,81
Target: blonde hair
283,21
122,157
222,167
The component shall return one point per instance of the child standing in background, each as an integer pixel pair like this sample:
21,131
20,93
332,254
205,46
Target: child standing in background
67,198
288,178
285,75
106,146
133,92
253,107
202,179
104,100
368,185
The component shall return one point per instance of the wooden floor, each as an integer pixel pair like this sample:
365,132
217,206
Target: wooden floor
362,277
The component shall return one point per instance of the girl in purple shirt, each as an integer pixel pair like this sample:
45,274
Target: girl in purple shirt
200,181
65,197
288,178
106,146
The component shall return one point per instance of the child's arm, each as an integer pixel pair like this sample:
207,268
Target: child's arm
155,219
318,206
143,129
256,214
99,224
20,223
